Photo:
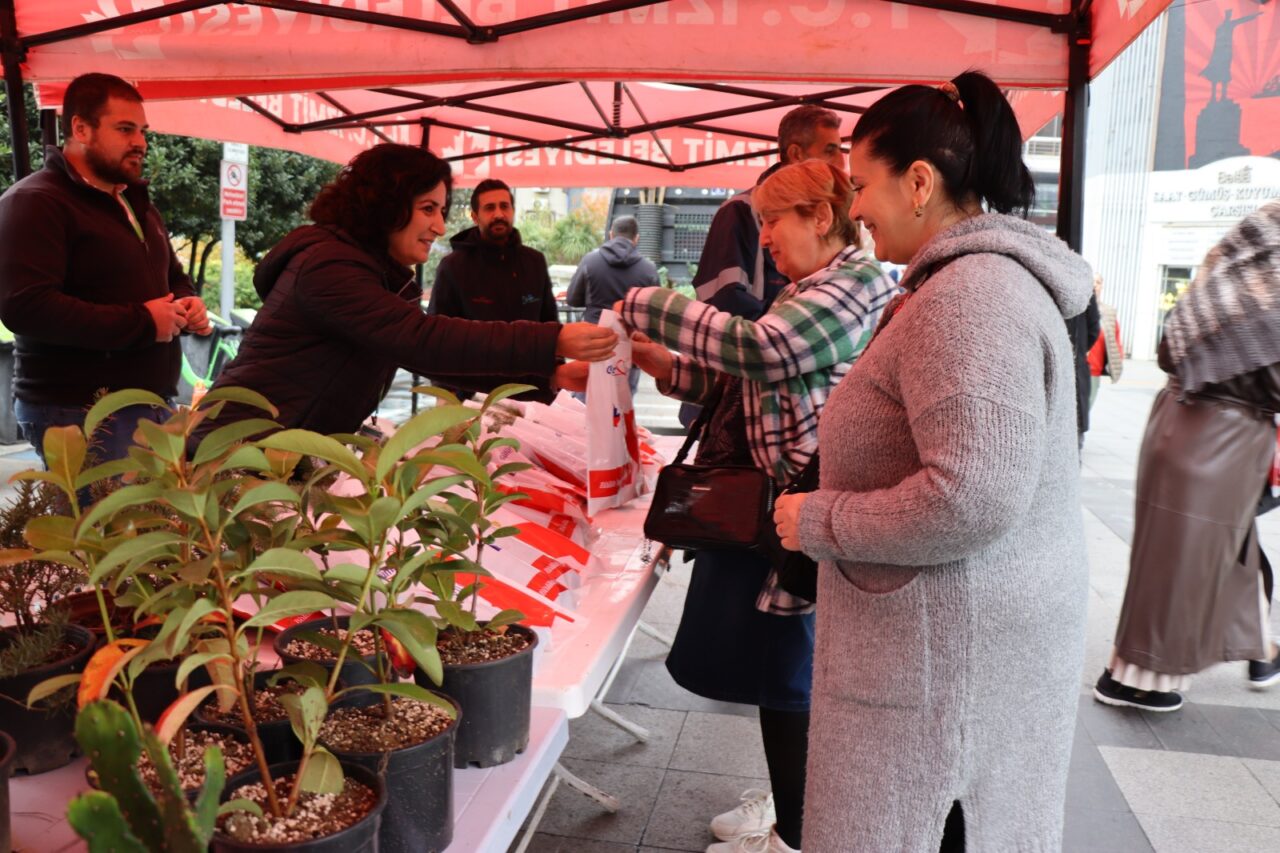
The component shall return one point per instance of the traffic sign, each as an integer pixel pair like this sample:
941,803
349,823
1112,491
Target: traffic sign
236,152
234,191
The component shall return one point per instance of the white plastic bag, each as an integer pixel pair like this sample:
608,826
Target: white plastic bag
613,448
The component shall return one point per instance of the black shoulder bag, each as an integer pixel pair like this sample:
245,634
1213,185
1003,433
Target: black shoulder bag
709,506
797,571
728,506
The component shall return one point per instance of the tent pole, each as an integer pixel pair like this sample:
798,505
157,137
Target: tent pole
48,127
1074,124
17,98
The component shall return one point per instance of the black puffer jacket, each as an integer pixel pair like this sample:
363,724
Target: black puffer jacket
336,322
479,280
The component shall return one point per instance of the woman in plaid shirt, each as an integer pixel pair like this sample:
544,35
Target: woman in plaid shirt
741,638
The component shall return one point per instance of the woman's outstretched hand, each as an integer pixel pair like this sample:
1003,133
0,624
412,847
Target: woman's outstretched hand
653,359
571,376
786,518
585,341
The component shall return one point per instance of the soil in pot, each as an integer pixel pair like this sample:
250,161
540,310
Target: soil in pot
322,823
490,674
292,647
45,735
274,731
237,756
8,750
416,745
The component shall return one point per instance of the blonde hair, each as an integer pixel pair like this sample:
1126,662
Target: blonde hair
805,186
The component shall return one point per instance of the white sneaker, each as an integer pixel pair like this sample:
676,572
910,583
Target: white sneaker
764,841
753,816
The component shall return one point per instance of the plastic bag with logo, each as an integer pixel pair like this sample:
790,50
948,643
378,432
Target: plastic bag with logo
614,474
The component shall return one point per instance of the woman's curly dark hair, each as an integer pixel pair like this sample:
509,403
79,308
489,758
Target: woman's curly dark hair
372,197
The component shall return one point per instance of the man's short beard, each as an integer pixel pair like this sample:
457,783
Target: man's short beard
105,170
487,233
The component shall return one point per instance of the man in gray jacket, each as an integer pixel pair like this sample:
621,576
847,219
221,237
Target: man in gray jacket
606,274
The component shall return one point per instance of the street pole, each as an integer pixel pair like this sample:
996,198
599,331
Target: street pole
228,269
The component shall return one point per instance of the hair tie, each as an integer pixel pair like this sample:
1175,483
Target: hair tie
949,89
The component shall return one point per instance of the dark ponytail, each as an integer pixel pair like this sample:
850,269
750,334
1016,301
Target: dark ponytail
971,138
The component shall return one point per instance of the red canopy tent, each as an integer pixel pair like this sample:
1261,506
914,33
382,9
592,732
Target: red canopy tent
559,91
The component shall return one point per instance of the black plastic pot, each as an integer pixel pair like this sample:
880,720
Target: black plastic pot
154,689
419,780
8,750
495,697
46,739
83,609
354,672
359,838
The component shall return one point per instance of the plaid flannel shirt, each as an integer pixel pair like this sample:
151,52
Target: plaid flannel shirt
790,359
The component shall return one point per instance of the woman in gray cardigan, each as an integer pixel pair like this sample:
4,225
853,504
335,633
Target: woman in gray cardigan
952,575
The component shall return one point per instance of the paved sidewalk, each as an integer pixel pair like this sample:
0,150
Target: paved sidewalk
1206,778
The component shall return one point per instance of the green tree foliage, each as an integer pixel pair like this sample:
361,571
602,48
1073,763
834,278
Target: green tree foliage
35,146
566,239
184,175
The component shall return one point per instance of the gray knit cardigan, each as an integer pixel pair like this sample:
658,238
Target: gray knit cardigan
952,583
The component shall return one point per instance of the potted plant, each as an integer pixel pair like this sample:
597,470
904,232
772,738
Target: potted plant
41,643
181,542
403,732
487,667
8,751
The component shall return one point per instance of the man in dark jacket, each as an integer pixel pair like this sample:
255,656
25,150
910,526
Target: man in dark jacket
490,274
606,274
89,283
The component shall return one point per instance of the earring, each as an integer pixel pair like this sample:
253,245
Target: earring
919,211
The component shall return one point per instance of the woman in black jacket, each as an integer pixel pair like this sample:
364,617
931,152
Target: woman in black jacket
341,305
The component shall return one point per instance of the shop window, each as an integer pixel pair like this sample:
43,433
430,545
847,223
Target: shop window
1173,283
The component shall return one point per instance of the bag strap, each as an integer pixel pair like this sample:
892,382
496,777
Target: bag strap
700,423
807,479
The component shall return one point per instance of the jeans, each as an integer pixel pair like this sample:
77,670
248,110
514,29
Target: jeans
111,440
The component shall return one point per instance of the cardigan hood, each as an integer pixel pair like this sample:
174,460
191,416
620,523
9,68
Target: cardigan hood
1063,273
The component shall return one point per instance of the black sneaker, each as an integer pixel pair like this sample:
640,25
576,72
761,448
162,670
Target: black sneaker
1111,692
1264,673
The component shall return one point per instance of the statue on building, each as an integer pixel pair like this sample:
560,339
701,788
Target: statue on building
1218,71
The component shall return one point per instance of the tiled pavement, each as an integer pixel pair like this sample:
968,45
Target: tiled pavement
1206,778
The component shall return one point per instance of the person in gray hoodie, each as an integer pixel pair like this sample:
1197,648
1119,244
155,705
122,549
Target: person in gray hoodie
952,578
606,274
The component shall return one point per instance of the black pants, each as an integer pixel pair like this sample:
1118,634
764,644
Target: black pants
953,831
786,749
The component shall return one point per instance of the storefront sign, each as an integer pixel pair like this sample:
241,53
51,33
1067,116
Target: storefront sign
1225,191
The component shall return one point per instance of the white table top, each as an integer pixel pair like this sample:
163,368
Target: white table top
570,672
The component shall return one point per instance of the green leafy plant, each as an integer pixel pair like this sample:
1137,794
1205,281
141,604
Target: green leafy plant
180,542
461,522
186,536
